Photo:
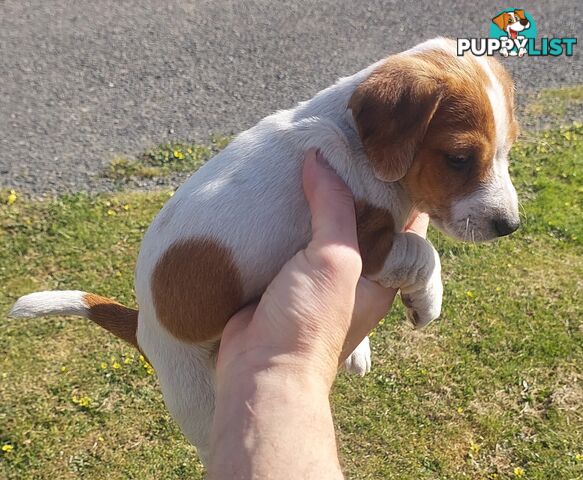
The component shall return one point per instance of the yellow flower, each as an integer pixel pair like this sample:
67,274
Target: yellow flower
7,448
11,197
460,410
579,457
148,368
111,213
498,289
127,360
474,448
63,369
126,207
178,154
470,294
518,472
115,365
103,366
81,401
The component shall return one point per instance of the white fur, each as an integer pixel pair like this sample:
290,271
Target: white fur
66,302
359,361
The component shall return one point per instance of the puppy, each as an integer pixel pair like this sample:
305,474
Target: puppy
512,23
423,129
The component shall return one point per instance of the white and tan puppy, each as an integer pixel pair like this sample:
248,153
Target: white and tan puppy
423,129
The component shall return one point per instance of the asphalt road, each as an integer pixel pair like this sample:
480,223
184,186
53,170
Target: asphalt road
81,81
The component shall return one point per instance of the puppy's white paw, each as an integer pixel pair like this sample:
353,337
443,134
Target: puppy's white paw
359,361
424,304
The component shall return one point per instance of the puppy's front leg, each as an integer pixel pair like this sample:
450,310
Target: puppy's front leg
413,266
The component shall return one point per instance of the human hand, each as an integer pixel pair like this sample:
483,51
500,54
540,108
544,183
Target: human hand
318,308
278,359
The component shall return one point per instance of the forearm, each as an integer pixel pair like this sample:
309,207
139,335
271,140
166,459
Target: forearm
273,424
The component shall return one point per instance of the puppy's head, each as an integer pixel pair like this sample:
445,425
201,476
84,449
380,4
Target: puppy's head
442,126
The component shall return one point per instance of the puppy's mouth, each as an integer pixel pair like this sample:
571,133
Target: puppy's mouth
465,231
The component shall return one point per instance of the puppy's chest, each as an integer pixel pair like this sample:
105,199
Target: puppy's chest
375,230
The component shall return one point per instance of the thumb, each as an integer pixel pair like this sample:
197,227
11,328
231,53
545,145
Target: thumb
331,204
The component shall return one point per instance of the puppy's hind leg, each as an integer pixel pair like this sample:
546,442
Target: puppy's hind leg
359,361
186,375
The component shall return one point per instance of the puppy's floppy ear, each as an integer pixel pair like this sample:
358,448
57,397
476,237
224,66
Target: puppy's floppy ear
501,21
392,109
519,13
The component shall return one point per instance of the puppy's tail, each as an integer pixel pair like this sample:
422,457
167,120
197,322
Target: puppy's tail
114,317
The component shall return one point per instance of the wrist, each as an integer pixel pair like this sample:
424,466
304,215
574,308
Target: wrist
272,368
266,419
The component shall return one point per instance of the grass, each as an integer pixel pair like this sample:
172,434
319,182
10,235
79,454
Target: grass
554,102
493,390
164,159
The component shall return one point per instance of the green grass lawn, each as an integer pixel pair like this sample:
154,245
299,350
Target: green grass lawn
493,390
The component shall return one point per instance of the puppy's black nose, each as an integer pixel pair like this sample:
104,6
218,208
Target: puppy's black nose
505,226
524,22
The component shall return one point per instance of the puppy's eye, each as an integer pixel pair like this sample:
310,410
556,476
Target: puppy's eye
458,162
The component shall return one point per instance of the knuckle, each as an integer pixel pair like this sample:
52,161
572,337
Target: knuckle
339,260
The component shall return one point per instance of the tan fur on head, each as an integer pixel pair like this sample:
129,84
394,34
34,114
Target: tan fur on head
392,109
416,111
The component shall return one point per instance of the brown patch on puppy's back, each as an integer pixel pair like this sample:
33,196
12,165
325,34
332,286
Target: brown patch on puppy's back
375,229
196,288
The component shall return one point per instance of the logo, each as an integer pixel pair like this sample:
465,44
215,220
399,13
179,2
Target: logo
513,33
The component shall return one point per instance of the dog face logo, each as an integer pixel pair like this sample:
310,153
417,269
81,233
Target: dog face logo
512,22
513,27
